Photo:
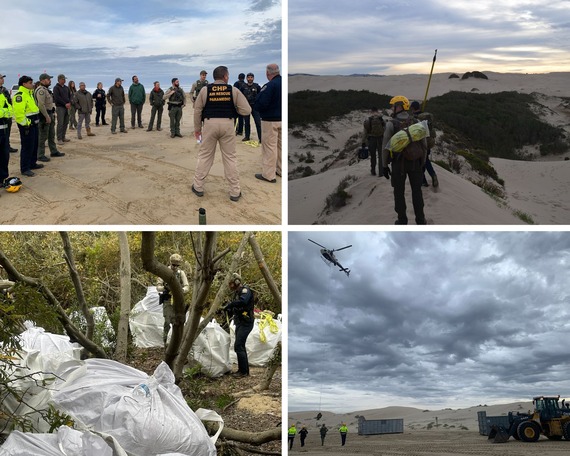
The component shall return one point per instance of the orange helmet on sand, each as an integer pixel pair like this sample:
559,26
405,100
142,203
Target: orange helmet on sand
401,99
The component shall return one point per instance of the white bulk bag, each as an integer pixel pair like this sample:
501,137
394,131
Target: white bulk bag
146,321
212,350
146,415
261,342
65,442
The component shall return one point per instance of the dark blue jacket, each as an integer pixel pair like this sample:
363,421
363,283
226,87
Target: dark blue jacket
268,102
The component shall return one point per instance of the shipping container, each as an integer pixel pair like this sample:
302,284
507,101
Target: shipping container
371,427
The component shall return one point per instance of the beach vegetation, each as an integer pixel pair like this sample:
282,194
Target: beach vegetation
339,197
480,162
500,123
524,217
312,107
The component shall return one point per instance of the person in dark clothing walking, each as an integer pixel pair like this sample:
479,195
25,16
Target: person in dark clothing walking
323,432
100,104
242,310
303,435
401,167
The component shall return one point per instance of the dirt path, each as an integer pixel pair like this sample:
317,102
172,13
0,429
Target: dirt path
139,178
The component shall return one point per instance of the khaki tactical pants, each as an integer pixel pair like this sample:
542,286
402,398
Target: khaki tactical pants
270,149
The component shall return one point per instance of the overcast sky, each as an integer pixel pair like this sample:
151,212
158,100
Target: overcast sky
399,37
100,40
428,320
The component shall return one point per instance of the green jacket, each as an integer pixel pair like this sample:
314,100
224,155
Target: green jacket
137,94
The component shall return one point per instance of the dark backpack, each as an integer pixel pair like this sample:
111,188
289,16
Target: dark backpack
376,126
415,150
363,153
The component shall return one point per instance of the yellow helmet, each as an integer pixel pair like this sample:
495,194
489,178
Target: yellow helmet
401,99
12,184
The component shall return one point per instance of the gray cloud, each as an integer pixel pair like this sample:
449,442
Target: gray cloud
478,313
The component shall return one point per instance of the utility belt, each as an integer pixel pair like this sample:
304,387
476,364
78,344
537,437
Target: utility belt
174,105
34,118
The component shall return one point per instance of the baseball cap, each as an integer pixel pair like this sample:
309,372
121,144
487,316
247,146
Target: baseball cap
119,79
156,82
250,74
61,76
44,76
203,72
2,75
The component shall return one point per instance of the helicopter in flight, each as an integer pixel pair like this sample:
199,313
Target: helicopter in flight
328,256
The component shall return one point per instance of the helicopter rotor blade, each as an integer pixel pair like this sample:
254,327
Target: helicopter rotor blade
342,248
318,244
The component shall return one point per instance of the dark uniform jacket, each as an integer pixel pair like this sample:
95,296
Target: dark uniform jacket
242,306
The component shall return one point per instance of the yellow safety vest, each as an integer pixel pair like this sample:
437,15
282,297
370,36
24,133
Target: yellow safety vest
24,106
6,110
292,431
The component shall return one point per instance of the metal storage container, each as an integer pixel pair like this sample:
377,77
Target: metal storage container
371,427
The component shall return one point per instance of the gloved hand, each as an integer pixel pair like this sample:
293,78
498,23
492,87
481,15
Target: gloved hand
386,171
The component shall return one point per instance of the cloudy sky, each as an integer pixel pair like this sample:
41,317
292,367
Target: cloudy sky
156,39
399,37
428,320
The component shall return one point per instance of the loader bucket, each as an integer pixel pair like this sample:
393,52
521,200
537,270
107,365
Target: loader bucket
499,434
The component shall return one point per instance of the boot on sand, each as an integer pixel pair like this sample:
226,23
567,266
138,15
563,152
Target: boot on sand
89,132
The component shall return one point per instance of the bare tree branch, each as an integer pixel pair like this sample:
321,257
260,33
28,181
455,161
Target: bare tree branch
70,328
264,269
70,260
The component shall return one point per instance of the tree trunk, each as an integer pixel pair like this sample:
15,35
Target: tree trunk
272,366
264,269
224,287
253,438
125,275
69,259
70,328
205,271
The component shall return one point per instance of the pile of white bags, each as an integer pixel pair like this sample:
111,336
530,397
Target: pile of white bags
65,442
146,321
42,357
146,415
261,342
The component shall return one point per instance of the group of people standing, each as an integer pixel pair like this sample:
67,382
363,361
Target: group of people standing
217,107
303,432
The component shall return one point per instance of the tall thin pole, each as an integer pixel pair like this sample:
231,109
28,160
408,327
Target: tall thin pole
429,81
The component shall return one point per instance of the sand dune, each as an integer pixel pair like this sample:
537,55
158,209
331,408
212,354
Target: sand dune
536,191
457,433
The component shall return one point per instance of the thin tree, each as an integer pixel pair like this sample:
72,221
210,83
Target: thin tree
125,277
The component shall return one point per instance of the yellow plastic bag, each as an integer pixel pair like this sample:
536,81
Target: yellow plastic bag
400,140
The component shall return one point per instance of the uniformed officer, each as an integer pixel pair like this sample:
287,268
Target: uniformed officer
197,86
44,100
242,310
6,93
62,100
27,115
176,102
165,297
215,111
6,113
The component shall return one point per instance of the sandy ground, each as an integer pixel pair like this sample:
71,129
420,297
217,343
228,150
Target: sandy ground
538,190
457,433
419,443
139,178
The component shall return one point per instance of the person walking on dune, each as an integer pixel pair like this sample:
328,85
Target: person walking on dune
323,432
404,164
